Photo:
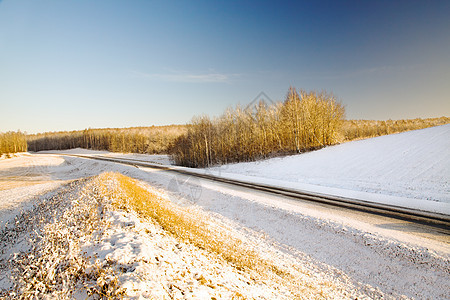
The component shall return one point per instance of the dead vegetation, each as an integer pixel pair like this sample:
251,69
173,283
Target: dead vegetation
361,129
181,222
198,229
148,140
12,142
304,121
55,265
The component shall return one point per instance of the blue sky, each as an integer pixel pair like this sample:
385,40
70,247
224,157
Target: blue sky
67,65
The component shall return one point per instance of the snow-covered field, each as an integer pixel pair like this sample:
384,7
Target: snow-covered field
410,169
43,198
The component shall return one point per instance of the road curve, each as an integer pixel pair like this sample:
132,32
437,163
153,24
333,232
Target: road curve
437,220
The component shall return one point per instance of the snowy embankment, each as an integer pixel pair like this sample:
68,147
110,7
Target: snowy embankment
86,241
410,169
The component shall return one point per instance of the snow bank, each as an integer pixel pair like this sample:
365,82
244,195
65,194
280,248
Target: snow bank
410,169
77,244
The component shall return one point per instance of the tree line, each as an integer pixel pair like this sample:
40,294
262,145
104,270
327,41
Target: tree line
304,121
147,140
12,142
361,129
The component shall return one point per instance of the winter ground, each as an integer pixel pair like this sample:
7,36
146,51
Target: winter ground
410,169
338,254
71,241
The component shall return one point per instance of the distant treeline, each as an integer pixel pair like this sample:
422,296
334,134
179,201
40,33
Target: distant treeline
361,129
304,121
12,142
149,140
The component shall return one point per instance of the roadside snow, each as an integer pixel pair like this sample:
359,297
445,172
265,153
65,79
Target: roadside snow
74,151
410,169
387,255
13,201
25,179
152,264
78,244
380,259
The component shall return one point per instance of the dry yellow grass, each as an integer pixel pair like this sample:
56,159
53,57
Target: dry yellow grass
182,223
189,226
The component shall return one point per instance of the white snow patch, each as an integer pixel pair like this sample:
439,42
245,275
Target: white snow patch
74,151
161,159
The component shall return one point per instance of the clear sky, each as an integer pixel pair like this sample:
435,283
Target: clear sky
67,65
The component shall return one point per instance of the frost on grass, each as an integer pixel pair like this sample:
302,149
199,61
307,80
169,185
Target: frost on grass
17,234
191,254
112,237
54,265
160,259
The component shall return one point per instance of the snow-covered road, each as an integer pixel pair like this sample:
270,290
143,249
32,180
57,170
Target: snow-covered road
375,255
